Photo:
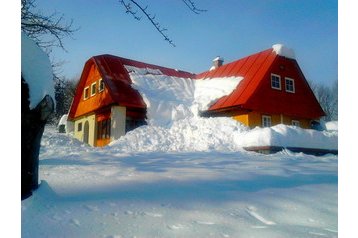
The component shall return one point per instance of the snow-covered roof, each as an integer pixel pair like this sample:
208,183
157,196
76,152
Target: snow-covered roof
218,58
282,50
36,69
170,98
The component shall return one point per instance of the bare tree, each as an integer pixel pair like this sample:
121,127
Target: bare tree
128,5
328,98
47,31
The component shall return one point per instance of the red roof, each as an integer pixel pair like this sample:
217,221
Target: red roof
254,92
117,80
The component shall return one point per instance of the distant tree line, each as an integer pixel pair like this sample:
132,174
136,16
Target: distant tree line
327,96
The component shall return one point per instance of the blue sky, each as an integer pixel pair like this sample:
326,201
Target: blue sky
232,29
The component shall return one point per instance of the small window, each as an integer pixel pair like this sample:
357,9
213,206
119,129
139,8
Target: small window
295,123
86,93
266,121
290,85
79,126
275,81
100,85
93,89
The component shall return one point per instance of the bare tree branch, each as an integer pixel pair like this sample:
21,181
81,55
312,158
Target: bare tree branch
47,31
152,18
191,5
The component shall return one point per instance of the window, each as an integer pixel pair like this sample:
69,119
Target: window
86,93
290,85
132,123
275,81
104,129
93,89
266,121
100,85
79,126
295,123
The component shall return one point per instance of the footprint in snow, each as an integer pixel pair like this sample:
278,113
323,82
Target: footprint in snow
75,222
153,214
175,227
91,208
251,210
209,223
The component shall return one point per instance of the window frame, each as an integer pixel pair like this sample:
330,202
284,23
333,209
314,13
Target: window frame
293,85
93,88
279,82
295,123
266,118
100,83
86,95
79,126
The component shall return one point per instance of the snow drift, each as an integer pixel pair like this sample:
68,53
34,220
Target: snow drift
174,124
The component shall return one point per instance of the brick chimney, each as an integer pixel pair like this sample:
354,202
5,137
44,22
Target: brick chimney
217,62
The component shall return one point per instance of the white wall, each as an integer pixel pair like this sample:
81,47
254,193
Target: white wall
118,122
92,129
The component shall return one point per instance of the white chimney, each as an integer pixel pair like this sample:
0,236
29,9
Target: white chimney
217,62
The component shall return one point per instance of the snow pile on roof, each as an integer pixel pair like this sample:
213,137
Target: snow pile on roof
288,136
144,71
284,51
219,58
36,69
170,98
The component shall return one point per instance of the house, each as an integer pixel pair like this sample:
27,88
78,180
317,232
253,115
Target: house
105,105
273,91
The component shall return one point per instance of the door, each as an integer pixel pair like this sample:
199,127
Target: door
86,132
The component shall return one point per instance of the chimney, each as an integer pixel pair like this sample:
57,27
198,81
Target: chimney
217,62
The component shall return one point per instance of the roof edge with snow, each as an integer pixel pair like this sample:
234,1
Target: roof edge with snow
284,51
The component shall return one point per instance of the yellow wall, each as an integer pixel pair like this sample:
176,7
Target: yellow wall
91,130
253,119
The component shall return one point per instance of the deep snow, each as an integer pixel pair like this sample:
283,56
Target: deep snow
185,176
106,192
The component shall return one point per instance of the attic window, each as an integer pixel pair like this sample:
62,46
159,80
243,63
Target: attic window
276,81
266,121
290,85
86,93
100,85
93,89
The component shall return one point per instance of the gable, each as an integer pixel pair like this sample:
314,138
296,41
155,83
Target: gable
90,78
254,92
300,103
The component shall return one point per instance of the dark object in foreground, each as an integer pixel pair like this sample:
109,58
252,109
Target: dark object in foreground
32,126
275,149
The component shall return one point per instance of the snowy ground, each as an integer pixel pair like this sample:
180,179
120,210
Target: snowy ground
105,192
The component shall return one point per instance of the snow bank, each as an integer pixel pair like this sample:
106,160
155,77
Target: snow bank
171,98
190,134
284,51
288,136
36,69
331,126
